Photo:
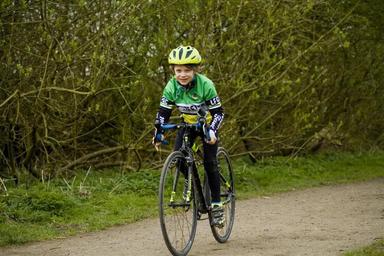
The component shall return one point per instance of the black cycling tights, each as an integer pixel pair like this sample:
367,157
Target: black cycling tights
210,161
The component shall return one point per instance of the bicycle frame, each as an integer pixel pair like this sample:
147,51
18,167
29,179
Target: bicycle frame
193,177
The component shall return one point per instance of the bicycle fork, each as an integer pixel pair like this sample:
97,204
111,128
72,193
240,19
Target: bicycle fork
187,189
189,179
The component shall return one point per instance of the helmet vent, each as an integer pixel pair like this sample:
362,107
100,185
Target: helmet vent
181,53
188,53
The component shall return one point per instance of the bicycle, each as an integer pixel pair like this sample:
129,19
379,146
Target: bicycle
183,199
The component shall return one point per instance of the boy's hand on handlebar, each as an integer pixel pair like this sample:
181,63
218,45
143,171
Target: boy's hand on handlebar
158,139
156,144
211,137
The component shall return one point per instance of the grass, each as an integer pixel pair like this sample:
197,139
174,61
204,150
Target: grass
282,174
85,203
94,200
376,249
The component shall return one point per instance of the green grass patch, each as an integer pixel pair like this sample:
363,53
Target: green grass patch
95,200
84,203
375,249
281,174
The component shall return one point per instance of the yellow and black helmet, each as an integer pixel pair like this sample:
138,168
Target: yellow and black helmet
184,55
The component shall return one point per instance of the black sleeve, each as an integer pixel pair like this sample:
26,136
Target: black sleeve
163,116
217,118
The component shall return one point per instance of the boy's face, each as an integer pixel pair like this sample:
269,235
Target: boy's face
184,74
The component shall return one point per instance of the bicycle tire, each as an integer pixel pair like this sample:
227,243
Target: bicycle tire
227,193
178,219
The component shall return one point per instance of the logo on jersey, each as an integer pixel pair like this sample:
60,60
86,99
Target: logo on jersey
195,96
191,109
214,101
163,100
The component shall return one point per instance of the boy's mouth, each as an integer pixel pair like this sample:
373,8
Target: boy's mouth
183,81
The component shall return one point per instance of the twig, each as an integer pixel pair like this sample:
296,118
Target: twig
5,188
94,154
10,97
56,89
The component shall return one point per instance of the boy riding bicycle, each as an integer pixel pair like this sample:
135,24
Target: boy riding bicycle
189,90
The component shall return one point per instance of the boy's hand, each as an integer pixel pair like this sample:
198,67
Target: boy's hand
212,137
157,140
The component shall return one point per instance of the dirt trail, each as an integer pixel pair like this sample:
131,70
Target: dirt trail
320,221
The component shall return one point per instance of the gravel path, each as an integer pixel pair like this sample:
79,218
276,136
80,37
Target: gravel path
320,221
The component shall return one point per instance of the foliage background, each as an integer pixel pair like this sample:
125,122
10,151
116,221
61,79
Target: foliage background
81,80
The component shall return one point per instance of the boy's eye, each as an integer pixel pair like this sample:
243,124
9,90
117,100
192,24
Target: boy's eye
182,70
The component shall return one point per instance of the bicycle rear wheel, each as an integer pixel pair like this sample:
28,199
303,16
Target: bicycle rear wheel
227,194
178,218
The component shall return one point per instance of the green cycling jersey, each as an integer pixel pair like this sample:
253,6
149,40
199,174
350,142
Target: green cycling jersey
189,100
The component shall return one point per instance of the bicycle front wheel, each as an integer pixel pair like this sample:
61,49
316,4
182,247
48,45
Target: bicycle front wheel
227,194
178,217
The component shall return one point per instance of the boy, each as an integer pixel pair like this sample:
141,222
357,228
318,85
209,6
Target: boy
188,91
